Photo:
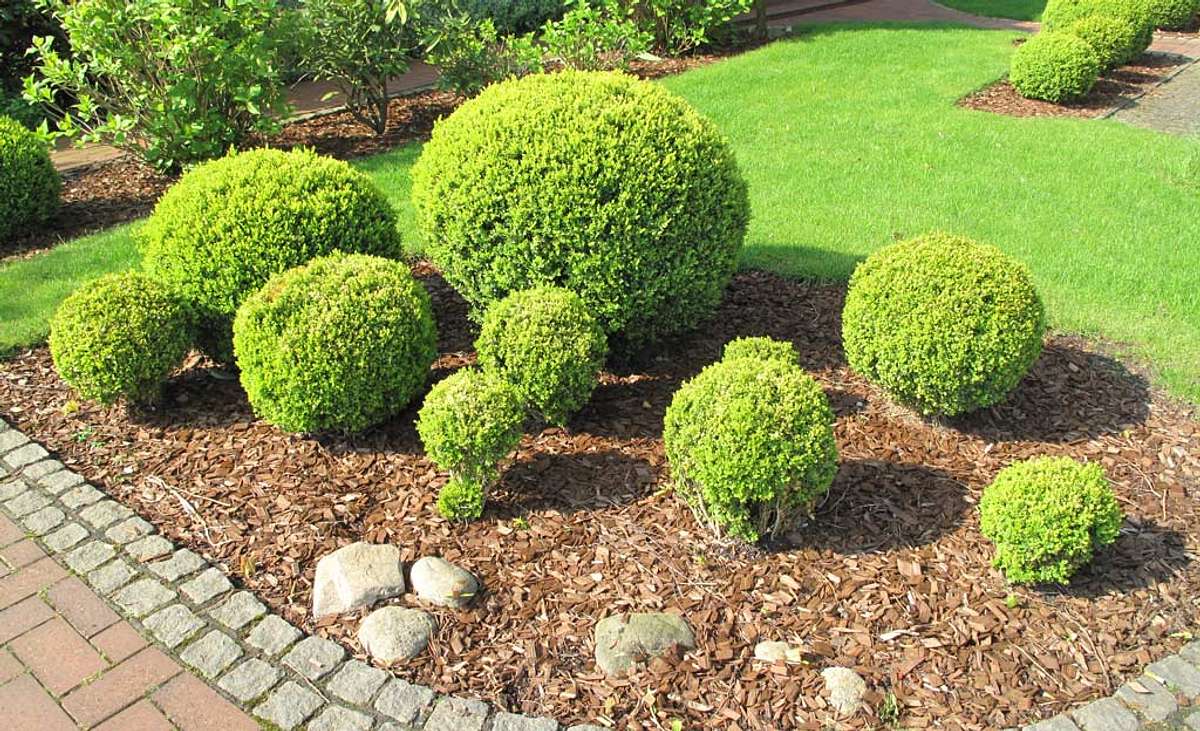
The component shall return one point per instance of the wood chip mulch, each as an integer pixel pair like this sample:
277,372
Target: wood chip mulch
891,576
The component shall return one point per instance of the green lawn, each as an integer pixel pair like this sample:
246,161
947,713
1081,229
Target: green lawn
850,138
1015,9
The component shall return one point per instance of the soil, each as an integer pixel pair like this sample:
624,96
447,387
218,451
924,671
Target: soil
890,576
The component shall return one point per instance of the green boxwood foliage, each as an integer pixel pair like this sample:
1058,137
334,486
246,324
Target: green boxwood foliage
608,186
761,348
750,442
943,324
29,184
343,342
468,423
546,343
1060,15
119,336
1047,516
228,225
1055,67
1172,14
1113,40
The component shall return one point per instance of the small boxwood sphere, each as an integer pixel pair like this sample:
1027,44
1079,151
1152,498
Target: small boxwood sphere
761,348
611,187
29,184
1172,14
750,443
1113,40
1059,15
1054,67
546,343
1047,517
228,225
341,343
119,336
943,324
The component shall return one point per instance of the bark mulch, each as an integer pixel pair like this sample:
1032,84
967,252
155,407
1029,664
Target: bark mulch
1115,87
891,576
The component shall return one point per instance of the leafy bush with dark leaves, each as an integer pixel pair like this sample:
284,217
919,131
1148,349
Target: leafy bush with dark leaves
29,184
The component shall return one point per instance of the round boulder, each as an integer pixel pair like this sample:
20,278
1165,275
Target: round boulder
356,576
846,689
623,640
443,584
394,634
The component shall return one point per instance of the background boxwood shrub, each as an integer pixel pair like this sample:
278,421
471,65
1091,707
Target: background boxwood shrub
608,186
943,324
546,343
341,343
514,16
119,336
1172,14
1055,67
1059,15
469,422
228,225
29,184
1047,516
761,348
1113,40
751,447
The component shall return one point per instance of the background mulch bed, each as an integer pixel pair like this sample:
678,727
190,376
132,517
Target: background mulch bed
891,576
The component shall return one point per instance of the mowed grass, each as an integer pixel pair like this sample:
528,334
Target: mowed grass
850,138
1015,9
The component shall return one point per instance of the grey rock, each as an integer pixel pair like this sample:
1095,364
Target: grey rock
111,576
89,556
404,702
149,548
1177,674
1148,697
356,576
393,634
439,582
314,657
60,482
142,597
249,680
273,635
174,625
290,705
26,455
356,682
206,585
336,718
180,564
81,496
66,537
1058,723
39,470
11,439
512,722
1191,652
11,488
128,530
104,513
846,689
774,651
457,714
623,640
1106,714
211,654
27,502
1193,721
238,610
43,521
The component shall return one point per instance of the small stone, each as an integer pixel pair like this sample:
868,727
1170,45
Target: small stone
89,556
149,548
143,597
457,714
273,635
208,584
12,488
1191,652
249,680
238,610
180,564
104,513
81,496
66,537
1106,714
211,654
26,455
1148,697
128,530
394,634
289,706
355,576
1177,674
314,657
39,470
60,482
43,521
846,689
174,625
443,584
776,651
622,640
356,682
404,701
111,576
1058,723
336,718
27,502
10,439
512,722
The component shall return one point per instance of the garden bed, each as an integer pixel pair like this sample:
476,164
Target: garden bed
890,577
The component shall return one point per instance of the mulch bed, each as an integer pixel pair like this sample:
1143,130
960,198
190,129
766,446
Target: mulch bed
1115,87
891,576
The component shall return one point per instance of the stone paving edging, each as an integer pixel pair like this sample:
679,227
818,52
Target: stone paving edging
251,656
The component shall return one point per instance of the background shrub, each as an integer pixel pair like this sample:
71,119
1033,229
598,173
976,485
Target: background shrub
594,35
514,16
762,349
228,225
943,324
29,184
546,343
1172,14
751,446
1061,14
1113,40
1055,67
1047,516
679,26
343,342
20,22
468,423
119,336
611,187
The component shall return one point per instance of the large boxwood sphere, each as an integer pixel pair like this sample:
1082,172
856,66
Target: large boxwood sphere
1060,15
29,184
228,225
1055,67
1172,14
608,186
1113,40
340,343
943,324
119,336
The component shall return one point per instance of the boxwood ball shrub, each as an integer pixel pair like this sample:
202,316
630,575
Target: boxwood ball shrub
1113,40
341,343
1059,15
229,225
546,343
1047,517
608,186
29,184
119,336
1055,67
469,422
751,447
1172,14
943,324
761,348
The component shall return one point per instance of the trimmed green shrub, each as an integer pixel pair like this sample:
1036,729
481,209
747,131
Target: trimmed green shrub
1113,40
751,446
546,343
29,184
343,342
228,225
943,324
608,186
1172,14
119,336
1054,67
1047,516
468,423
1059,15
761,348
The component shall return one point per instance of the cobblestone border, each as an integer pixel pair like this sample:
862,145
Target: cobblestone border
249,655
